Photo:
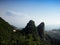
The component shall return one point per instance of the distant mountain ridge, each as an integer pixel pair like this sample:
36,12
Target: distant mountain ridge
53,36
55,33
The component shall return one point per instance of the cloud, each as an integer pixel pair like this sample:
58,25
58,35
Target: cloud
20,19
17,19
14,13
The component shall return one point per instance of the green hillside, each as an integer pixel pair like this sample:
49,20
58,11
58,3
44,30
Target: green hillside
5,26
5,31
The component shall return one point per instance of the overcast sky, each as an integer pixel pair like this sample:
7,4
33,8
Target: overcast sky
18,13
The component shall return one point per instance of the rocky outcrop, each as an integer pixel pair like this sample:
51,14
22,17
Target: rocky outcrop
41,30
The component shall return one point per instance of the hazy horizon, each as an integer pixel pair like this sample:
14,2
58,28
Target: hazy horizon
18,13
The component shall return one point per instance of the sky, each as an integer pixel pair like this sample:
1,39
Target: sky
19,12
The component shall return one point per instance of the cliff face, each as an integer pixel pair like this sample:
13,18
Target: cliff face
41,30
30,27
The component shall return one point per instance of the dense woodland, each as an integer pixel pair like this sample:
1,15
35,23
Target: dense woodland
30,35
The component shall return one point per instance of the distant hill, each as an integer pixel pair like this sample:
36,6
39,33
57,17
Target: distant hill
55,33
54,36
